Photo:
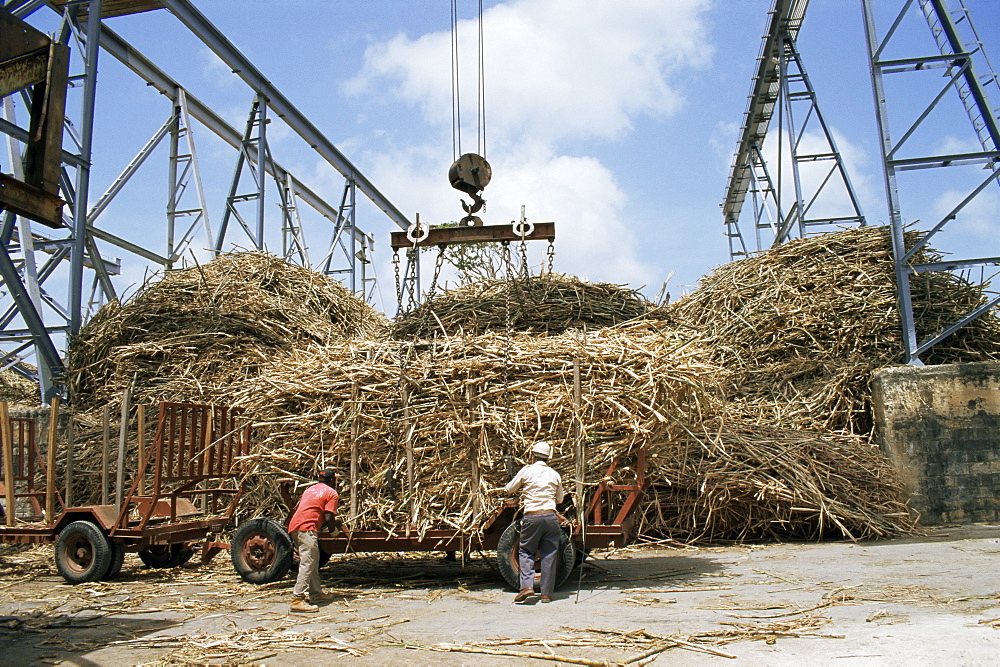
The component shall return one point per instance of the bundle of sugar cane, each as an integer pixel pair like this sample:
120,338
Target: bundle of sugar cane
549,303
431,425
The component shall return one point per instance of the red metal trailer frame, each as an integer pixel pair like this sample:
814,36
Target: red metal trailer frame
194,475
262,549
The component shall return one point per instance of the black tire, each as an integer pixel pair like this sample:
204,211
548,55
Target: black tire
163,556
83,552
117,560
261,551
507,557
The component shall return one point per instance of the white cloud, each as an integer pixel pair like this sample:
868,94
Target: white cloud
554,70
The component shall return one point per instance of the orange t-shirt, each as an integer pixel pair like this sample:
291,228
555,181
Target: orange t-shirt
317,499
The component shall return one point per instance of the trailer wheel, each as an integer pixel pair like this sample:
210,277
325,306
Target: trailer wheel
261,551
507,557
163,556
117,560
83,552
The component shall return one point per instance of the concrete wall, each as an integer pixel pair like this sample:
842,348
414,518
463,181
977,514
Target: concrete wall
940,427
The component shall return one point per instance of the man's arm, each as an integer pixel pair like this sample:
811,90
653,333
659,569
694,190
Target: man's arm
515,484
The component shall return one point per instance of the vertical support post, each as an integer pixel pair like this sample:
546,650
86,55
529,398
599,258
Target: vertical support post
173,191
80,204
261,161
50,462
105,447
122,439
8,461
354,244
140,418
354,453
70,462
903,296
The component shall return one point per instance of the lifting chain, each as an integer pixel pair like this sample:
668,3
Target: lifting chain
524,272
405,353
508,335
550,252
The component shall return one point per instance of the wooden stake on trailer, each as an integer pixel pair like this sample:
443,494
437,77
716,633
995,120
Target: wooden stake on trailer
409,458
578,439
122,439
471,394
50,462
70,462
140,418
354,452
106,444
7,435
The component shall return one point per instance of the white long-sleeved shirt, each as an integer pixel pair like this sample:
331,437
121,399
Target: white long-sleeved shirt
542,486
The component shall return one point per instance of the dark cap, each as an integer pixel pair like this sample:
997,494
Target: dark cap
327,474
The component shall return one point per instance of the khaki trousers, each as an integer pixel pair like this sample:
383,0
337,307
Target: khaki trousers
307,583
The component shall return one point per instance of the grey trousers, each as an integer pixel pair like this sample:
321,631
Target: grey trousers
307,582
539,532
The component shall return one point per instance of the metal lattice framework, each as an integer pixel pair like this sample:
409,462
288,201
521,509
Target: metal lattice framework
957,61
781,87
817,195
37,263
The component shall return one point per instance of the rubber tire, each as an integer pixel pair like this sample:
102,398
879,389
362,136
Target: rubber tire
117,560
261,551
507,557
163,556
83,553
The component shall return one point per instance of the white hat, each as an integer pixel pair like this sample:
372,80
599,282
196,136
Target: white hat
542,449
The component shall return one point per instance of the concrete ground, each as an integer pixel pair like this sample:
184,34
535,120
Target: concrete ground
929,599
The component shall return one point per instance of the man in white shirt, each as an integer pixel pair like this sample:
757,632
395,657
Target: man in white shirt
542,490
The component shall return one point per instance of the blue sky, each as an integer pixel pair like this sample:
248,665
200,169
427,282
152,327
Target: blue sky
615,119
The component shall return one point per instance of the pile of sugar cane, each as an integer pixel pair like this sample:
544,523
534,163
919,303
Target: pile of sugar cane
549,303
18,390
751,395
202,329
802,327
745,481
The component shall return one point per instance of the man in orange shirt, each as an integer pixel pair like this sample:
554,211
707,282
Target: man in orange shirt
316,510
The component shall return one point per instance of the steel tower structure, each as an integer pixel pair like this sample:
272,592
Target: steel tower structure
818,195
68,252
954,54
958,65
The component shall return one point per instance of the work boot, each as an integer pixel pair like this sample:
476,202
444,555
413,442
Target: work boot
300,606
322,597
523,595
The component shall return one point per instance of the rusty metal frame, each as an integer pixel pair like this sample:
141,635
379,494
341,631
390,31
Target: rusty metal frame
194,445
27,465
